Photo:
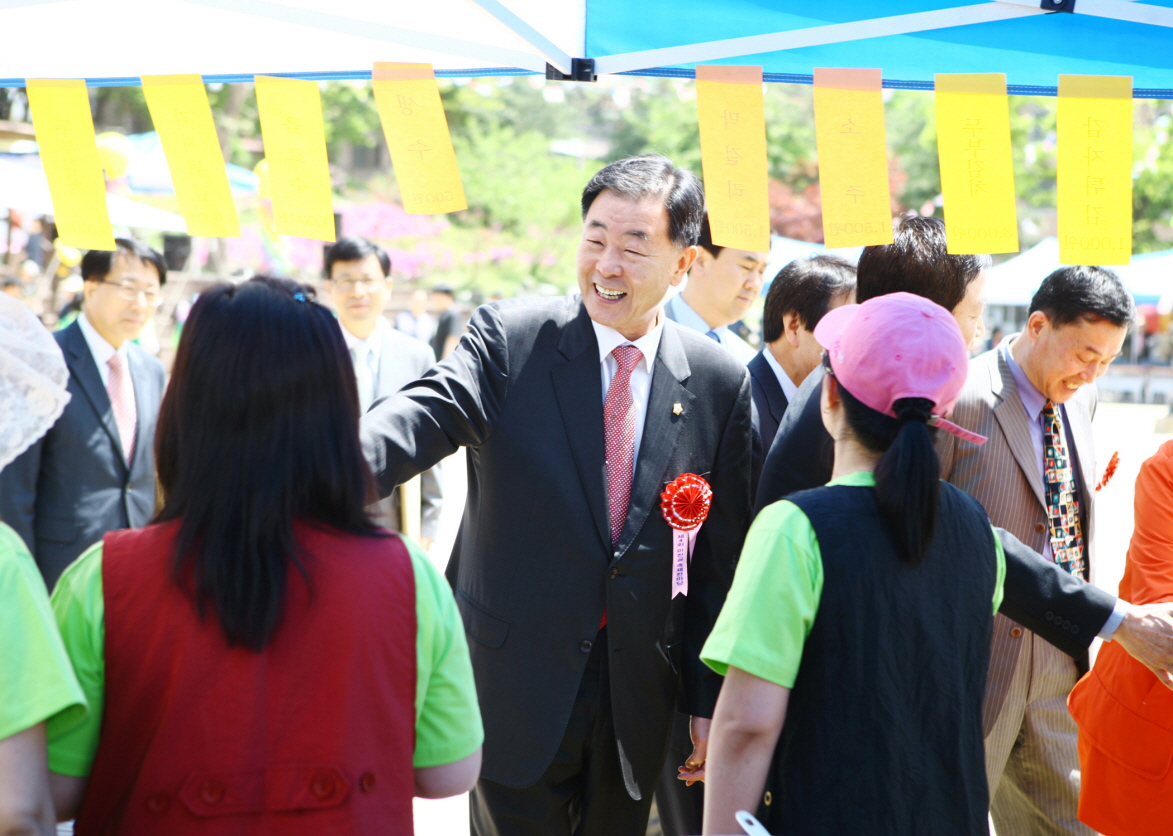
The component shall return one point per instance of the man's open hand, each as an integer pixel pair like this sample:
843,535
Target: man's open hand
1146,633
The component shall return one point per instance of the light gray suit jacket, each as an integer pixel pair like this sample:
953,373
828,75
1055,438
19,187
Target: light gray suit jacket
1003,475
403,359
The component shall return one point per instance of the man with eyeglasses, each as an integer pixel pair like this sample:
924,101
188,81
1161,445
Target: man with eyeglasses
94,471
358,277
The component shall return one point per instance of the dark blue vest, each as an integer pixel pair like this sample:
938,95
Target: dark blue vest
883,734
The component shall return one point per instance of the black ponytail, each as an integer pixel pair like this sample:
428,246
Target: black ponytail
908,473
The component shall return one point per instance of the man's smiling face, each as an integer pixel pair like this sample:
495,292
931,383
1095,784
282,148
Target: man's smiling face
627,262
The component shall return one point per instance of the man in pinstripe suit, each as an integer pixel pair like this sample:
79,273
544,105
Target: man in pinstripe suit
1035,476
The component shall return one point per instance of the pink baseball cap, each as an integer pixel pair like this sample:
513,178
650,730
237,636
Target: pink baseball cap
898,346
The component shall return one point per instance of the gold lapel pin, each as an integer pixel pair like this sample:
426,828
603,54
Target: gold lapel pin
677,409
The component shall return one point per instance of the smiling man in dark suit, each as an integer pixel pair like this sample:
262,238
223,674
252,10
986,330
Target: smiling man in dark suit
94,471
577,412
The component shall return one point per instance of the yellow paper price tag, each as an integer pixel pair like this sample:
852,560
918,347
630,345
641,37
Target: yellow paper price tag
69,154
732,118
182,116
417,135
1095,169
853,157
977,170
295,148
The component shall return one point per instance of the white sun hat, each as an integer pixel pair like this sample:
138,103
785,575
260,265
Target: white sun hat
32,379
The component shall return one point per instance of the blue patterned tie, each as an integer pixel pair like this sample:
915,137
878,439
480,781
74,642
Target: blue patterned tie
714,335
1062,497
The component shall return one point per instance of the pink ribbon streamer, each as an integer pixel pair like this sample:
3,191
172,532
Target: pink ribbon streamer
683,543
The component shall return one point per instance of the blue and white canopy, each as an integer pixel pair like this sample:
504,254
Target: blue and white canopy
116,41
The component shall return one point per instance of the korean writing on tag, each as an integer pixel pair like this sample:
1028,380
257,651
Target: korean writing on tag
731,115
853,157
418,139
295,148
1095,169
977,169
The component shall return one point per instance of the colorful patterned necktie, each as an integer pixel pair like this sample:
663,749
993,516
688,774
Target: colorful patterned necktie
619,436
121,394
1062,497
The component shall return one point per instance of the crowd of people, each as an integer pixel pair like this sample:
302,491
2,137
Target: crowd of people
841,582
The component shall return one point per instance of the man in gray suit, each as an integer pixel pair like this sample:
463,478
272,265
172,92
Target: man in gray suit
1033,399
94,471
358,275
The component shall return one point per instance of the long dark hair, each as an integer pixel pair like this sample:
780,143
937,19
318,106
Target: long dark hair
259,427
907,474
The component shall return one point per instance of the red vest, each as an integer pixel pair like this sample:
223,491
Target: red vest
314,735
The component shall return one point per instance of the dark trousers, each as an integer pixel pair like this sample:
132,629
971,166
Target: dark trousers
681,807
582,792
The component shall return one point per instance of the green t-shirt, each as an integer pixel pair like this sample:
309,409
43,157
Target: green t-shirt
447,716
775,594
36,680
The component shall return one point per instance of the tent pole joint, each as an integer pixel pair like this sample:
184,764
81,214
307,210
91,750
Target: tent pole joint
581,69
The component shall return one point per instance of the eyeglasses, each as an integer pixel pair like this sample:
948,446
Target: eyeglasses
351,285
131,292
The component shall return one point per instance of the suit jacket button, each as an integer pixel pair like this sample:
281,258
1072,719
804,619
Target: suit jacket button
1050,616
323,785
585,647
366,782
1066,624
614,573
1016,632
158,802
1075,629
1040,528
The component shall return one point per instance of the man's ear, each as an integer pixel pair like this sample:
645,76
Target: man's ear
1035,323
684,263
791,325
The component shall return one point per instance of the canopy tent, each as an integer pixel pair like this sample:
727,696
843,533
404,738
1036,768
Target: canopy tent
114,42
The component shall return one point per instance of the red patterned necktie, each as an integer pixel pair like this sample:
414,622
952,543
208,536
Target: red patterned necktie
121,393
1062,496
619,434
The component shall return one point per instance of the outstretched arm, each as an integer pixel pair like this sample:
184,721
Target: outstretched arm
455,404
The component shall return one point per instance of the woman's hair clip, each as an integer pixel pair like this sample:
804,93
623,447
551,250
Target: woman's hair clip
299,296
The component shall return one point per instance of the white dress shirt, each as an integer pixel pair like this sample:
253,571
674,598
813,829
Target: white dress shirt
788,387
684,315
370,350
641,376
102,350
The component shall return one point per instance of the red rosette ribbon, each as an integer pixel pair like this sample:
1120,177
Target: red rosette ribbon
685,504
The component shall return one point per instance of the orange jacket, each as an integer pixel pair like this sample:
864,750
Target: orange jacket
1125,715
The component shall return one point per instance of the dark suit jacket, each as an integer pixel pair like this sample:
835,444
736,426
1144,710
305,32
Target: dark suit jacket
801,457
402,360
71,487
533,566
768,397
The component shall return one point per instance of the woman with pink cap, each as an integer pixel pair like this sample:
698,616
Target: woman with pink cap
856,635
